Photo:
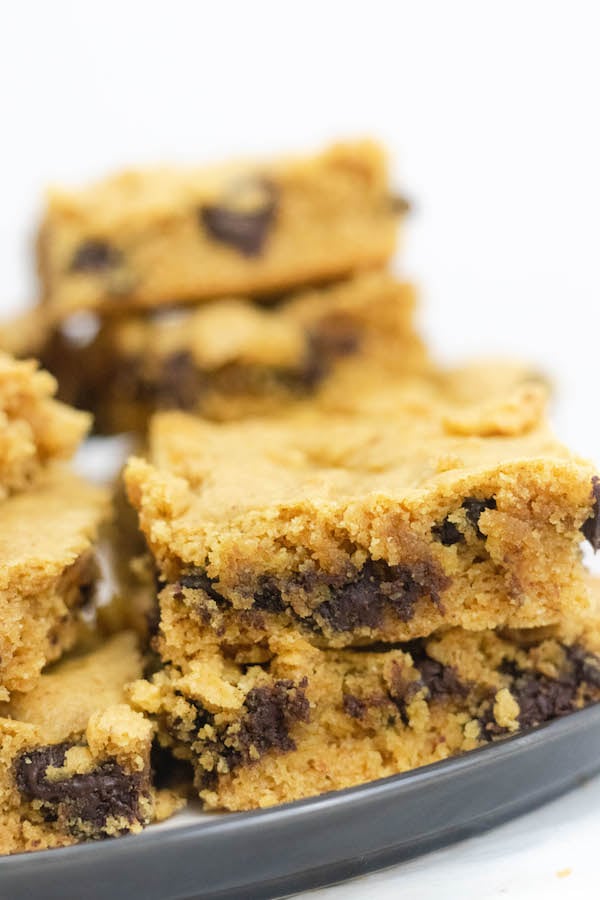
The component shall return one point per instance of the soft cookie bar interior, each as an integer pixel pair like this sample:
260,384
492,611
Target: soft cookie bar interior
47,570
306,721
74,756
148,238
233,358
358,529
34,428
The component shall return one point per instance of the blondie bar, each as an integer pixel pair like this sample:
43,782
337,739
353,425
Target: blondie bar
233,358
164,236
47,572
306,721
74,756
34,428
355,529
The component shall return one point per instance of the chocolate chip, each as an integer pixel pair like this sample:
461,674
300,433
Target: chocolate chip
30,768
199,581
245,230
448,533
586,665
268,598
440,680
473,510
362,602
95,256
93,797
270,712
591,526
541,699
354,706
356,605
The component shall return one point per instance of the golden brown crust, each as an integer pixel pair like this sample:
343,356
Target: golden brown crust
145,239
46,571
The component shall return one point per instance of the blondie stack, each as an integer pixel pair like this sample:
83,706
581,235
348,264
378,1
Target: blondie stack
350,595
74,756
226,291
344,562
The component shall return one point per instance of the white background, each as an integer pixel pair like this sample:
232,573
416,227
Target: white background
491,111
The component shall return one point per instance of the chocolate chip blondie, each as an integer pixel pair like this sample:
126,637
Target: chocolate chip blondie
164,236
233,358
75,757
354,529
305,721
35,429
47,572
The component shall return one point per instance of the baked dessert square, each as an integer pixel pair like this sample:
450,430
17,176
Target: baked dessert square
47,572
35,429
75,758
143,239
355,529
229,359
306,721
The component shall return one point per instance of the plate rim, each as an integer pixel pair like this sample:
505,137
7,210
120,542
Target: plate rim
319,804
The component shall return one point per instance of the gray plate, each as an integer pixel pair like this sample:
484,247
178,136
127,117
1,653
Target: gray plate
302,845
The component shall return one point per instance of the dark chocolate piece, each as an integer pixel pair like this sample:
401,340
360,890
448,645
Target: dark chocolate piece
362,602
92,797
354,706
473,510
541,698
270,712
440,680
199,581
587,665
245,230
591,526
268,598
448,533
95,256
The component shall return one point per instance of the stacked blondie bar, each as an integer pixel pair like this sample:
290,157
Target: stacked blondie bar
74,755
363,562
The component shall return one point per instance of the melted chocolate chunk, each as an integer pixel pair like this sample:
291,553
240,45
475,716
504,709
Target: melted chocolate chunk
541,699
270,712
199,581
591,526
95,256
354,706
93,797
30,768
362,602
448,533
245,230
356,605
440,680
473,510
268,598
586,665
